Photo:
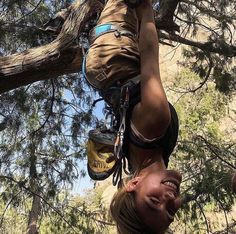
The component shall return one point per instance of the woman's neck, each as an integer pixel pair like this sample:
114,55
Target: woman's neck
152,167
147,160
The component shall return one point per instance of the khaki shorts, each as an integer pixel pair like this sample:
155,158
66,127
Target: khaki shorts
114,59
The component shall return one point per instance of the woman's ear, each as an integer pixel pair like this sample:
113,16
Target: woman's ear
132,184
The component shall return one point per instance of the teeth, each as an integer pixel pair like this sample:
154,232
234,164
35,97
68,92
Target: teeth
172,185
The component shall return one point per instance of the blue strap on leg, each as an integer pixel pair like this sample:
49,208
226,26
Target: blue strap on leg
103,29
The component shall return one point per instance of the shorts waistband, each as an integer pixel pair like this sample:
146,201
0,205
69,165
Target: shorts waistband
102,29
112,94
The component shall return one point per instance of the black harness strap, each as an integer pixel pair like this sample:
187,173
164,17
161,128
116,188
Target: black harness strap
167,142
119,100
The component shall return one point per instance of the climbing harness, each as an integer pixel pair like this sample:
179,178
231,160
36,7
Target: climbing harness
102,29
102,163
122,96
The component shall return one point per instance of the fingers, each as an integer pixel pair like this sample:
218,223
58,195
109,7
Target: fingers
143,8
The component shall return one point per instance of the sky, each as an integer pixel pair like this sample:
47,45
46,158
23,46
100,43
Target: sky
81,185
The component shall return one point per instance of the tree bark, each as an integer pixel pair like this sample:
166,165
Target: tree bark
62,56
34,215
164,18
34,187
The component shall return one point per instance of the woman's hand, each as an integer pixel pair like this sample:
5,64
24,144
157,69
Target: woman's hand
142,8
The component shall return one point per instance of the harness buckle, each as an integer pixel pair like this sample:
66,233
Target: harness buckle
117,33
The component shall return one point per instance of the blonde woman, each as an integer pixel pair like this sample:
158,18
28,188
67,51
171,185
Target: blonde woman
124,46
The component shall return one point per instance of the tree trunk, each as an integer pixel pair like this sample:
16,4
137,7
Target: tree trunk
34,215
62,56
35,189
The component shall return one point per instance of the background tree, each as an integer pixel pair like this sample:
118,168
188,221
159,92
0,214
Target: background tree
43,125
205,155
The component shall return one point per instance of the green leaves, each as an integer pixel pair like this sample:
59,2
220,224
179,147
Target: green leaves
205,153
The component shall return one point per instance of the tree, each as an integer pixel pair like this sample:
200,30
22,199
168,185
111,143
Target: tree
43,125
42,144
42,129
205,155
74,214
61,56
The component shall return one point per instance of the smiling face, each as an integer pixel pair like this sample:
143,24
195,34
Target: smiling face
157,198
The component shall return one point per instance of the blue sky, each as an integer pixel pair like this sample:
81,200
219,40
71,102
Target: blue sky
85,183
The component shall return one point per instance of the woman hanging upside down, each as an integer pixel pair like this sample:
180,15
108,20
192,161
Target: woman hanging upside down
125,48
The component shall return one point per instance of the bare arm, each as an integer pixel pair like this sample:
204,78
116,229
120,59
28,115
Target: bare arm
151,116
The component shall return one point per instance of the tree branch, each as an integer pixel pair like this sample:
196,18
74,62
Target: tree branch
210,47
29,13
7,206
213,149
62,56
227,229
204,216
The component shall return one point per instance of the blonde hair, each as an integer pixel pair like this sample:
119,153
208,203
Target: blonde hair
123,211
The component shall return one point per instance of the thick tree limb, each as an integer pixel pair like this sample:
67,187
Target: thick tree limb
59,57
165,15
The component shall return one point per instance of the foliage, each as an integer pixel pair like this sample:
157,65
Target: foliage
44,125
83,215
205,154
44,137
211,23
71,214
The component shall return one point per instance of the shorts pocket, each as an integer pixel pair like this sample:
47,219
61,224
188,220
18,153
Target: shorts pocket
95,73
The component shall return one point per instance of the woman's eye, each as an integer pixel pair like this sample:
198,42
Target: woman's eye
154,200
154,204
